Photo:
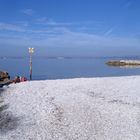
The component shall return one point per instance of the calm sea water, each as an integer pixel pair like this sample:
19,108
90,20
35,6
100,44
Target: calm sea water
61,68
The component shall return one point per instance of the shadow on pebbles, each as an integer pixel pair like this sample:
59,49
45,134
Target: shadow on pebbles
8,121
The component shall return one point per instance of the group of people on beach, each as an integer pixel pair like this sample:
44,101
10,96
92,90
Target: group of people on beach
6,80
19,79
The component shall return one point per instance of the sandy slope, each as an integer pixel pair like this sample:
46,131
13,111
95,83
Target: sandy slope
75,109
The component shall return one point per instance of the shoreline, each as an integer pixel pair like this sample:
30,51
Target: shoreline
86,78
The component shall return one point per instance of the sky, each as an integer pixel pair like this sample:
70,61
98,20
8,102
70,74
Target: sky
70,27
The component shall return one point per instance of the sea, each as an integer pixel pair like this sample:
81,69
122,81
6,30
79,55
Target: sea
47,68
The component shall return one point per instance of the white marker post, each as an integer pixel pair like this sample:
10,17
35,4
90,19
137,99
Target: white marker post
31,51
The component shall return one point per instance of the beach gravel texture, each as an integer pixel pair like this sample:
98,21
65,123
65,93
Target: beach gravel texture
72,109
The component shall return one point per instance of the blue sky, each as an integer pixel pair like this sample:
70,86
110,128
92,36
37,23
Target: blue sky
70,27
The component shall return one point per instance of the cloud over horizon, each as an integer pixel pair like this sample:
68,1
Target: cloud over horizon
10,27
62,37
90,26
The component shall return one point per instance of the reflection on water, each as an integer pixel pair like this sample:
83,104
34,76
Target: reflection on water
53,68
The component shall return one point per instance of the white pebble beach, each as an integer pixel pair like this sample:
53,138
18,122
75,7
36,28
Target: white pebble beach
72,109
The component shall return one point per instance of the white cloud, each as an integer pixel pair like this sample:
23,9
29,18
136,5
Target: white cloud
49,21
109,31
22,23
11,27
56,36
28,11
46,21
66,38
42,19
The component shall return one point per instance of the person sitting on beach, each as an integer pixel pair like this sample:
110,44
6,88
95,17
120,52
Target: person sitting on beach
23,79
16,80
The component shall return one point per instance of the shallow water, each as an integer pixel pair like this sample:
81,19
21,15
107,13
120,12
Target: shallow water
60,68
